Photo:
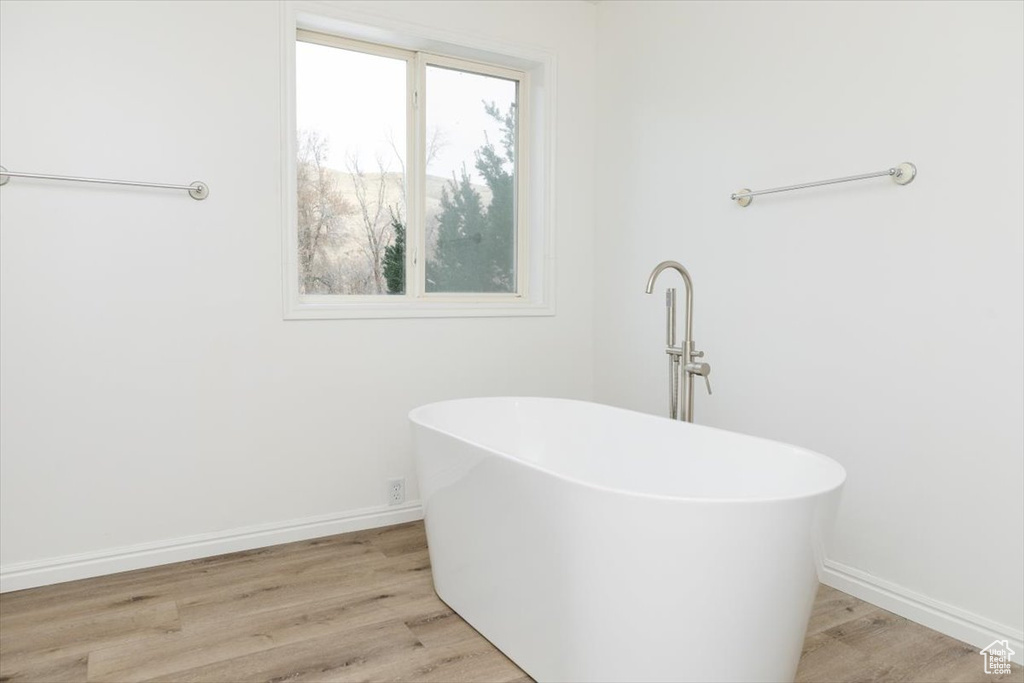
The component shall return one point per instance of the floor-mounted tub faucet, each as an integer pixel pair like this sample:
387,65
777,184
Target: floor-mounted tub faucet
682,359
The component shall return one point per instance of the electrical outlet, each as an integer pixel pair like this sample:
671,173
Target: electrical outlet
396,491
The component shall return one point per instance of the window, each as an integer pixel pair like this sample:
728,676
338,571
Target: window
410,190
350,168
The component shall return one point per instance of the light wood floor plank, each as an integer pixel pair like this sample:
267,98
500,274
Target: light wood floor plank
471,660
215,640
829,660
832,608
82,634
49,670
276,589
326,658
361,607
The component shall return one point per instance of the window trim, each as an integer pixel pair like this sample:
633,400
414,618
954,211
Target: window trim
534,167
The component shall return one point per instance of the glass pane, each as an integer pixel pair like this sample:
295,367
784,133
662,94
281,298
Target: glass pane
350,111
471,179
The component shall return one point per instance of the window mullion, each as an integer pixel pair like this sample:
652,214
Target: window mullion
417,178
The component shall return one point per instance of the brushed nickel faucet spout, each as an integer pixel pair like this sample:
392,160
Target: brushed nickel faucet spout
682,365
678,267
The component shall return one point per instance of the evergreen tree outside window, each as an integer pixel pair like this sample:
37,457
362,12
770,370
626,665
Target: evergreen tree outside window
476,241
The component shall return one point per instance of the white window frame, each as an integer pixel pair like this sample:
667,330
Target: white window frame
534,72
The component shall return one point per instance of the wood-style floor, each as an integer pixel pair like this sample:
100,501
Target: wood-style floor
359,607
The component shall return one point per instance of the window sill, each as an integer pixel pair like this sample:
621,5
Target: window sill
419,309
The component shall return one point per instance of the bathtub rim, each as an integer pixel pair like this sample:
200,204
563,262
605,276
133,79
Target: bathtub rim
814,493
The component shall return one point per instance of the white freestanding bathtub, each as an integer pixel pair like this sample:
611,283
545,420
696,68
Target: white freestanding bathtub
590,543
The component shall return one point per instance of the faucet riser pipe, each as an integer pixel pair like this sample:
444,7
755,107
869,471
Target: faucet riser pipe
686,383
673,387
689,395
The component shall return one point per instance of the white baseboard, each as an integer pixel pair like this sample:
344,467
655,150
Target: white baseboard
85,565
939,616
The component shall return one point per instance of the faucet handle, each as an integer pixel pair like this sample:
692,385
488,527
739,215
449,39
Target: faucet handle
702,369
696,354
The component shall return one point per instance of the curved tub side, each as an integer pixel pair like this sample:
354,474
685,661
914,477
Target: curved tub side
493,561
575,583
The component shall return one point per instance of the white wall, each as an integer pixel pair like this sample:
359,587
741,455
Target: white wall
878,324
150,389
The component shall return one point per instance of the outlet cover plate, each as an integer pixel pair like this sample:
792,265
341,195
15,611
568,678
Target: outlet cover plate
396,491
